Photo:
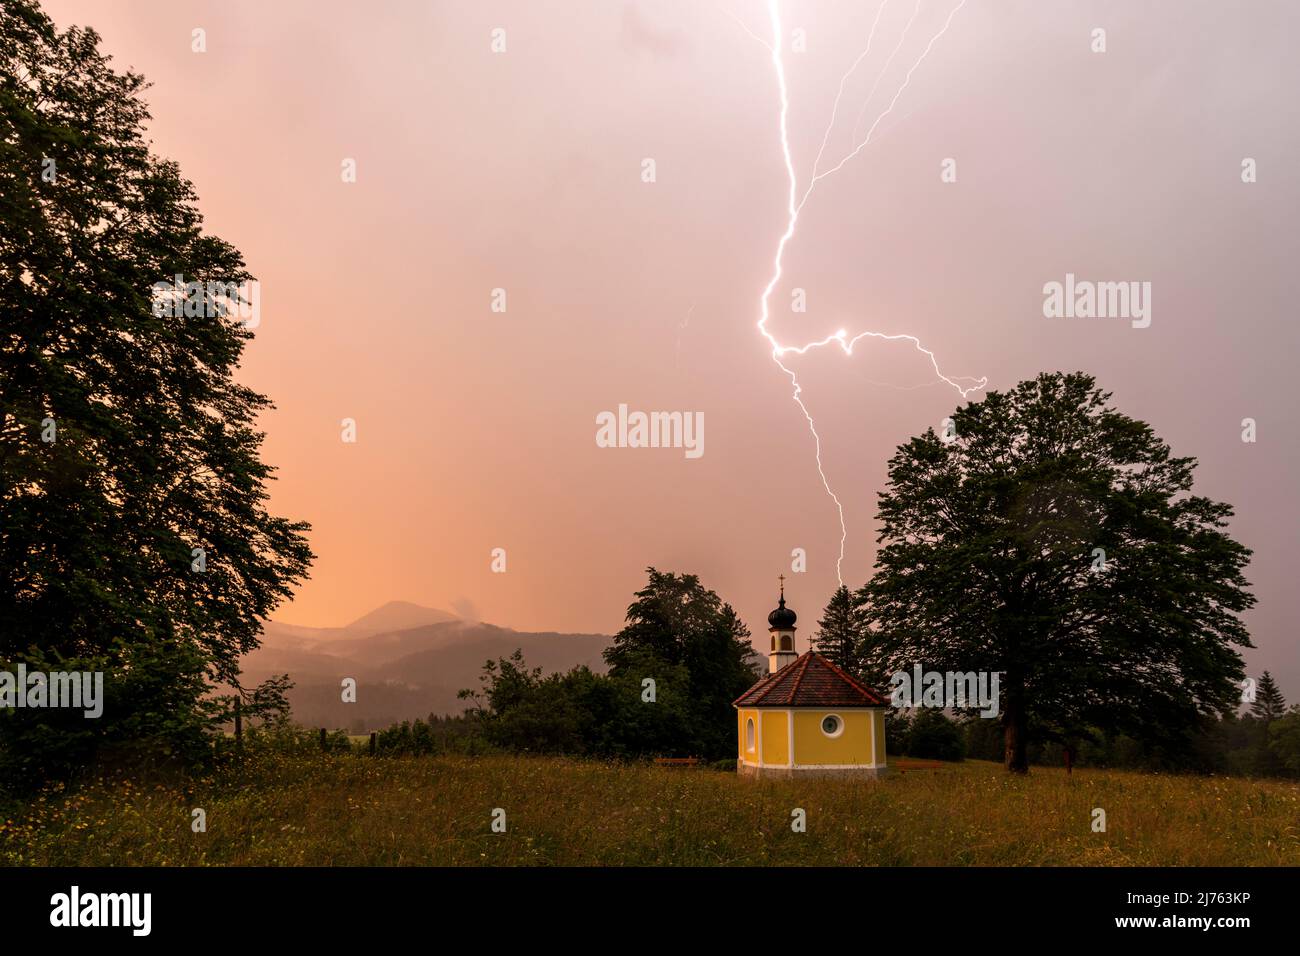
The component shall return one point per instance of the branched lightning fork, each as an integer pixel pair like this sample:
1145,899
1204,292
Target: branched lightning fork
795,204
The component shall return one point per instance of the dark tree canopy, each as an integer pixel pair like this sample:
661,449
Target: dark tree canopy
1269,704
125,442
1057,541
676,622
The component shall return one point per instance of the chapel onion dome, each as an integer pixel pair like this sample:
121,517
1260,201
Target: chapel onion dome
782,619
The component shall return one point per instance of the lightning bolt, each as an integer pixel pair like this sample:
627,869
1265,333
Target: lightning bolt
795,204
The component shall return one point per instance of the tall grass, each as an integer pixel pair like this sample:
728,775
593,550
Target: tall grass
347,809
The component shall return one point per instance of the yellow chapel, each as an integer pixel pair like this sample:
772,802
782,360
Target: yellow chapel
808,717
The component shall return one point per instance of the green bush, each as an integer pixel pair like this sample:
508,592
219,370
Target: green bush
934,736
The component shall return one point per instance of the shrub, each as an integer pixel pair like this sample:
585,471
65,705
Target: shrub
935,737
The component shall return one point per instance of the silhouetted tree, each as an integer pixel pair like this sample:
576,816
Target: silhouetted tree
1269,704
840,631
125,442
676,622
1055,540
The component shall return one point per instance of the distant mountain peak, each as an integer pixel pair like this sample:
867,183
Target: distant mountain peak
398,616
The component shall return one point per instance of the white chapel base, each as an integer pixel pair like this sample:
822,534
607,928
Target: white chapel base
812,772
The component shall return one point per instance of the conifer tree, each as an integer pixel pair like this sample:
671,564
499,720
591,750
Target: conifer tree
840,631
1269,704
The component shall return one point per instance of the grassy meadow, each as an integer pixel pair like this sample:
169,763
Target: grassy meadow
348,809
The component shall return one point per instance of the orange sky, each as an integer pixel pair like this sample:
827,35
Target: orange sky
522,170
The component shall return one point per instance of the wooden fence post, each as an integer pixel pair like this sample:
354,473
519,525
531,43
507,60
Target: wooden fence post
373,737
322,738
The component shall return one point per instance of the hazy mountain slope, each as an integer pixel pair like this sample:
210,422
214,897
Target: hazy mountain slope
377,649
397,616
401,674
465,656
393,616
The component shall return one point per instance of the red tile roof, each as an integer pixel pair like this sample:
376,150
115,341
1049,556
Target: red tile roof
810,681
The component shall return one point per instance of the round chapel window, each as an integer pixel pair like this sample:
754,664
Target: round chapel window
832,725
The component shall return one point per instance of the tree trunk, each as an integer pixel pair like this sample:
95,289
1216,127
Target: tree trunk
1015,727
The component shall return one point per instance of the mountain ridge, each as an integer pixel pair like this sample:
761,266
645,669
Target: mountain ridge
403,673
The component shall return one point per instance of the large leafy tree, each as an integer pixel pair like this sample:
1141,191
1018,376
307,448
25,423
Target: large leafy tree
676,622
125,442
1057,541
